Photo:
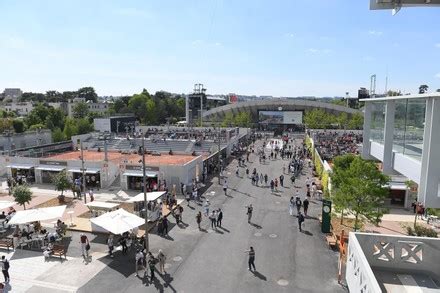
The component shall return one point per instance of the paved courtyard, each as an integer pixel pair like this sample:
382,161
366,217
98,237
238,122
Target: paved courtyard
204,261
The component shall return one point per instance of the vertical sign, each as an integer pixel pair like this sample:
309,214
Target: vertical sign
326,216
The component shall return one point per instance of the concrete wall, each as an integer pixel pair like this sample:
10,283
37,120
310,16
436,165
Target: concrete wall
25,139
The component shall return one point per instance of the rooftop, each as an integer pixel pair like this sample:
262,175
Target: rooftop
117,157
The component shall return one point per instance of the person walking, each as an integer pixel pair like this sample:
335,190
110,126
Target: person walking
213,219
123,243
225,187
5,268
139,258
237,172
261,178
85,245
251,260
165,225
247,172
250,209
188,198
305,206
276,184
298,205
151,264
291,205
161,257
265,179
300,221
206,207
282,180
110,245
199,219
219,217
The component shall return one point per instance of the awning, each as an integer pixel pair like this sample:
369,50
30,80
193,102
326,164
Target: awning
87,171
151,196
54,168
102,205
135,173
4,204
20,166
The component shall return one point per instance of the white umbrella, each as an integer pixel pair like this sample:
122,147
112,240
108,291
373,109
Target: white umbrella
118,222
32,215
4,204
151,196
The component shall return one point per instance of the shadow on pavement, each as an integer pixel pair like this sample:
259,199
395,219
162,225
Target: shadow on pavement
224,229
256,225
218,231
259,275
203,230
307,233
123,264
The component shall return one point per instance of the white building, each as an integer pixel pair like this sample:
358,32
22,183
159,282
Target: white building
99,107
20,108
403,132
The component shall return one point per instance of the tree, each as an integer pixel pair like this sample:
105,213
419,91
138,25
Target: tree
88,93
356,121
22,195
37,126
80,110
340,166
37,115
392,93
61,182
138,105
363,191
70,128
57,135
423,89
18,125
83,126
53,96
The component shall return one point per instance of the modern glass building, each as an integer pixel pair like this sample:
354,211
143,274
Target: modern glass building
403,132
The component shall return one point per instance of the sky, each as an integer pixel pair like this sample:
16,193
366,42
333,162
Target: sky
248,47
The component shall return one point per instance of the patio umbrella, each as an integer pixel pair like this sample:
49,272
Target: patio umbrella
4,204
41,214
118,222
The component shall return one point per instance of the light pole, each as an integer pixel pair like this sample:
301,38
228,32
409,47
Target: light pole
218,158
83,173
144,183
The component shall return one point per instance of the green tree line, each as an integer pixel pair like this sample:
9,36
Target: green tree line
320,119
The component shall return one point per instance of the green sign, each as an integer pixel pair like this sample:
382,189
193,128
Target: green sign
326,216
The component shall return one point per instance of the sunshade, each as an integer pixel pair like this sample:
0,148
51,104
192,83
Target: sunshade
118,222
151,196
4,204
102,205
41,214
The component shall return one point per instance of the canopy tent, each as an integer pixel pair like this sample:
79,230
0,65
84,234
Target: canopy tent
20,166
87,170
102,205
27,216
118,222
151,196
4,204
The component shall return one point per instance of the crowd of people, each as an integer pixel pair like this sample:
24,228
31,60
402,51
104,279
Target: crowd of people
330,144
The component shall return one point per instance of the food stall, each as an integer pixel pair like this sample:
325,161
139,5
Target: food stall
98,208
154,204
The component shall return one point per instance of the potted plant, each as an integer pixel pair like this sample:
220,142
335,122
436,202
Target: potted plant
61,183
22,195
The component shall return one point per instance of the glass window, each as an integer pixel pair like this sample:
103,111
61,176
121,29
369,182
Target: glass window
377,121
415,124
399,126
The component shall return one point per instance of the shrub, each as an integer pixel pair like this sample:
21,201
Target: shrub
421,231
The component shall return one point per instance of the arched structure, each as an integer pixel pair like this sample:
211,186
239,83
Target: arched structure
275,105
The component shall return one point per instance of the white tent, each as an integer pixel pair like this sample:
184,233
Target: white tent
4,204
151,196
118,222
32,215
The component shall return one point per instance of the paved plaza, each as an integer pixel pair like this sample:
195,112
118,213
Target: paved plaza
287,260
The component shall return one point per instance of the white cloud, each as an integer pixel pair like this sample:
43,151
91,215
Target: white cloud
437,75
437,45
318,51
289,35
375,33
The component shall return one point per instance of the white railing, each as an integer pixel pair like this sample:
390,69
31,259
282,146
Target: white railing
359,275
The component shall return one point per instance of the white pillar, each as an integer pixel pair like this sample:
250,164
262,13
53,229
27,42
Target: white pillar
390,108
366,145
430,174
